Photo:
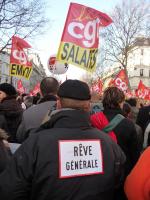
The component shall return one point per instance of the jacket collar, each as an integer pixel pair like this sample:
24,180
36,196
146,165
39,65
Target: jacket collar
68,118
111,113
47,98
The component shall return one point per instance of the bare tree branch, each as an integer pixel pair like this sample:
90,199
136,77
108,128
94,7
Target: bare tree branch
130,19
22,17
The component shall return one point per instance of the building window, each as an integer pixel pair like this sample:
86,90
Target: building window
141,72
142,52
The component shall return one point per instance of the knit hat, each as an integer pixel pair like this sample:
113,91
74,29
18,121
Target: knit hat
8,89
74,89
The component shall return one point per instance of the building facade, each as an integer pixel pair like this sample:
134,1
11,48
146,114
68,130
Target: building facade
139,63
138,66
37,75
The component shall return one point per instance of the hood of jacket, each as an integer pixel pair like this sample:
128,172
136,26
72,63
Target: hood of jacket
47,98
10,107
111,113
68,118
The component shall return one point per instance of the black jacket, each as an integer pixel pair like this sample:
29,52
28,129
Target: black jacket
143,117
12,112
5,153
127,138
35,171
3,123
4,156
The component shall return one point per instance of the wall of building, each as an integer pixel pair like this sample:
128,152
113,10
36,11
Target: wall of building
37,75
139,66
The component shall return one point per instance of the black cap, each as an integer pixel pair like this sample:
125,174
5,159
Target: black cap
74,89
8,89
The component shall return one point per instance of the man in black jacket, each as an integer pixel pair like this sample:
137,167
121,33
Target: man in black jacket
143,117
34,116
67,158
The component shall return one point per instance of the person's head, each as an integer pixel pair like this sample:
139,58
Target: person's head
74,94
49,85
36,98
23,96
127,110
28,100
113,98
7,90
132,102
38,95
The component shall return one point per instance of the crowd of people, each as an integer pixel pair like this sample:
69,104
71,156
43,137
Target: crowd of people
66,143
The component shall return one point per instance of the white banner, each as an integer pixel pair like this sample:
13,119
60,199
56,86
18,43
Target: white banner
80,158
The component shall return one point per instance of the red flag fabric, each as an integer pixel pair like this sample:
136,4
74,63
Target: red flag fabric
143,92
121,81
19,64
80,38
111,82
36,89
97,87
129,94
20,87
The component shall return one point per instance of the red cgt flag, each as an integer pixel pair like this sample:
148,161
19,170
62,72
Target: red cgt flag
97,87
111,82
121,81
20,87
143,92
36,89
80,38
19,63
18,56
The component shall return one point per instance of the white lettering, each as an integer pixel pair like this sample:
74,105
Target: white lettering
121,84
71,29
20,55
88,32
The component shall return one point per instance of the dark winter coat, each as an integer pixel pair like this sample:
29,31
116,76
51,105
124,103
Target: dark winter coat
4,151
35,171
143,117
12,112
3,123
127,138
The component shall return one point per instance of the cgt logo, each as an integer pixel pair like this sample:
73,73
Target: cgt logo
20,55
121,84
143,94
87,33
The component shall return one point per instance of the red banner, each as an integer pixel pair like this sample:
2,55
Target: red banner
143,92
121,81
20,87
129,94
19,64
80,38
36,89
111,82
97,87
